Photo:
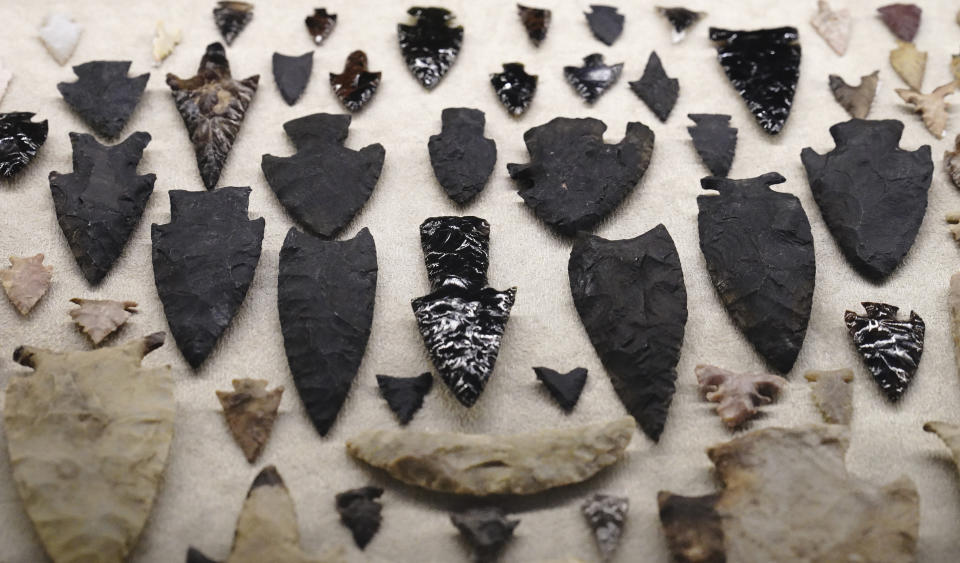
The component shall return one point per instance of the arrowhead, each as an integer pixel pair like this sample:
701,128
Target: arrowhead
404,395
462,158
430,46
564,387
292,75
103,96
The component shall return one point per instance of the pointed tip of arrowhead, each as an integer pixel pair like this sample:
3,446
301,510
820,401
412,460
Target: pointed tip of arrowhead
268,477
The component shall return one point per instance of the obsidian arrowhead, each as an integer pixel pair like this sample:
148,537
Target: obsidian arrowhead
536,21
605,23
203,262
759,253
456,251
326,291
564,387
360,512
574,179
20,139
763,66
430,46
462,158
320,25
325,184
103,95
632,301
680,19
872,193
891,348
404,395
594,78
355,86
100,203
231,18
714,140
292,75
656,89
514,87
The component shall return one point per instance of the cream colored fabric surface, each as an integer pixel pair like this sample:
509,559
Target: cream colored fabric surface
207,476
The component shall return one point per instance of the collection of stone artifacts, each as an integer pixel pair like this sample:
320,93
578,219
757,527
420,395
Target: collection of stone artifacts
872,195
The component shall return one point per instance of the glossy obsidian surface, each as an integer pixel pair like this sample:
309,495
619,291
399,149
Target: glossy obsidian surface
514,87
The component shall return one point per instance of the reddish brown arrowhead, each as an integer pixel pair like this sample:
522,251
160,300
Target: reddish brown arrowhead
250,411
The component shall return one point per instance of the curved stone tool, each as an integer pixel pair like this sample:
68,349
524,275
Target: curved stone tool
855,99
613,283
759,252
763,66
593,78
99,318
487,530
606,515
891,348
267,528
231,18
833,25
212,126
100,203
325,184
738,394
360,512
481,464
88,435
574,179
514,87
250,411
656,89
461,157
680,20
292,75
325,295
320,25
536,21
103,95
430,46
20,139
872,193
26,281
355,86
605,23
901,19
564,387
787,496
404,395
714,140
203,262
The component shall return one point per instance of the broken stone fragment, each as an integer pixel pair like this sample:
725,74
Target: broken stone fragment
267,528
932,107
739,394
950,434
487,530
680,20
605,22
355,86
714,140
88,433
656,89
250,411
855,99
103,96
360,512
951,161
564,387
292,75
320,25
431,45
514,87
606,515
20,139
98,318
404,395
909,63
212,127
536,21
902,19
482,464
953,300
891,348
592,79
26,281
60,35
461,157
833,25
231,18
787,496
833,393
164,41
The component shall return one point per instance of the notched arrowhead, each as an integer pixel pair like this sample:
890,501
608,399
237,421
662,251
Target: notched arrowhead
292,75
487,530
564,387
891,348
833,25
901,19
20,139
855,99
231,18
203,262
613,283
250,411
909,63
714,140
482,464
759,252
574,179
763,66
738,394
593,78
656,89
606,515
872,194
430,46
833,393
26,281
88,433
360,512
325,184
680,19
100,203
605,22
461,157
325,296
320,25
514,87
404,395
536,21
103,95
355,86
212,105
932,107
99,318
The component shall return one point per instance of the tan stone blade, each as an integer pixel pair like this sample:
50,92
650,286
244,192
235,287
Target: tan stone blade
953,299
855,99
951,161
26,281
480,464
738,394
950,434
250,411
909,63
267,528
955,67
833,393
932,107
954,219
787,496
98,318
833,26
88,434
164,41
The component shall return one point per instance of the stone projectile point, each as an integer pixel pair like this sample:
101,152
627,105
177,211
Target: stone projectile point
891,348
250,411
833,25
320,25
574,179
680,19
462,158
656,89
20,139
536,21
932,107
714,140
26,281
203,262
606,515
738,394
487,530
593,78
231,18
613,283
103,96
514,87
360,512
292,75
355,86
605,22
99,318
901,19
404,395
833,393
910,64
100,203
164,41
855,99
564,387
60,35
430,46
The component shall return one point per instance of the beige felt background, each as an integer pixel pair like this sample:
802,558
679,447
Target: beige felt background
207,476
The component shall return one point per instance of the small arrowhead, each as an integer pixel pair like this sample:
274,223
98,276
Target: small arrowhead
404,395
565,387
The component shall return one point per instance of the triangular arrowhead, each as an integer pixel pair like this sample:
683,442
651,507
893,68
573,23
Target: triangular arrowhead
100,203
714,140
431,45
890,347
103,95
360,512
292,75
250,411
564,387
656,89
231,17
404,395
606,515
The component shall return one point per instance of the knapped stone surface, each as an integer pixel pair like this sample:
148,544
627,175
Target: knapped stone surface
404,395
20,139
430,46
164,41
461,157
320,25
715,141
536,21
292,74
833,25
739,394
355,86
60,35
680,19
855,99
832,391
103,96
565,388
26,281
250,411
606,23
360,512
514,87
231,18
656,89
594,78
606,515
890,347
909,63
932,107
99,318
487,530
902,19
